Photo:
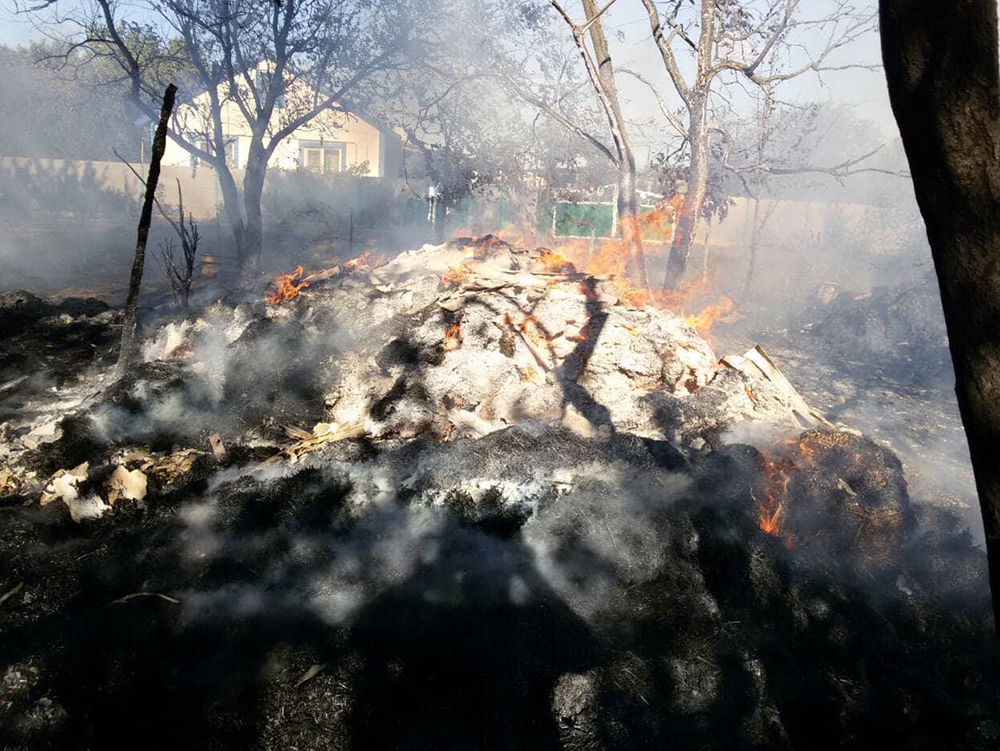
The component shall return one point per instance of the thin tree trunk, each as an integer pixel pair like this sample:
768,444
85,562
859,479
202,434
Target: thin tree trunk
755,228
941,64
130,318
231,205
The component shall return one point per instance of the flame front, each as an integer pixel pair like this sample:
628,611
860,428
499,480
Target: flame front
455,276
608,258
286,287
770,515
772,509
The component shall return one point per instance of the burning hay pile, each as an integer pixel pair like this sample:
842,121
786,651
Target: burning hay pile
473,498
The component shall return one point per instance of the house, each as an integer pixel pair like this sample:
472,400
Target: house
330,143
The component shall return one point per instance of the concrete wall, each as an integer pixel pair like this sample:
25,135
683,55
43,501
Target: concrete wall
101,188
111,188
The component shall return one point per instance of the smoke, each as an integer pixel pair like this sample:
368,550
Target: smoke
403,526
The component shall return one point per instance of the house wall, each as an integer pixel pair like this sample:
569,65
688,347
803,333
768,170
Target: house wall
362,141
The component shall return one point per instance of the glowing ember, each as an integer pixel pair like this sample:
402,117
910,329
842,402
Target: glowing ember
287,287
453,336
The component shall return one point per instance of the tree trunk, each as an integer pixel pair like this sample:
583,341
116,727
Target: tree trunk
629,226
231,205
253,239
755,228
130,318
941,63
628,201
687,217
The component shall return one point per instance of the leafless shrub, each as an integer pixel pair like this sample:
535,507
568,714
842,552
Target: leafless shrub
179,270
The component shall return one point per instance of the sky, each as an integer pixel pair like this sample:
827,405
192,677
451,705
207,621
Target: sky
864,91
15,29
627,27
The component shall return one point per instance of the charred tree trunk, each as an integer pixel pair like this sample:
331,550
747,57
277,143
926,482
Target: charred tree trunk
941,63
687,218
130,318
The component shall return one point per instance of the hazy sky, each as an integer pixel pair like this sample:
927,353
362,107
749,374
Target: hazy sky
14,29
627,27
628,30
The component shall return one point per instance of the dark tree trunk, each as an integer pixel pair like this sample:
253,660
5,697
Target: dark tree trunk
231,205
941,63
253,238
130,318
755,228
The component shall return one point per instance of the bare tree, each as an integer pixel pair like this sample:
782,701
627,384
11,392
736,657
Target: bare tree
942,69
727,42
552,101
602,77
276,65
179,272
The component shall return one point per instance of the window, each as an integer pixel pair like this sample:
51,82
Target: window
322,158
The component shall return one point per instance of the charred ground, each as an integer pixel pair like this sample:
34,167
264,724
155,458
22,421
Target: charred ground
527,588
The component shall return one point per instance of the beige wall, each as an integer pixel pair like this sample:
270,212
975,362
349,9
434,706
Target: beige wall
362,141
62,186
74,178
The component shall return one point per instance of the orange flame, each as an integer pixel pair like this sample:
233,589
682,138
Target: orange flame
770,515
702,322
692,300
555,262
455,276
808,453
358,263
286,287
770,511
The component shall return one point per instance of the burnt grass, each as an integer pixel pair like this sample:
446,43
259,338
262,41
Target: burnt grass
47,345
731,640
636,605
